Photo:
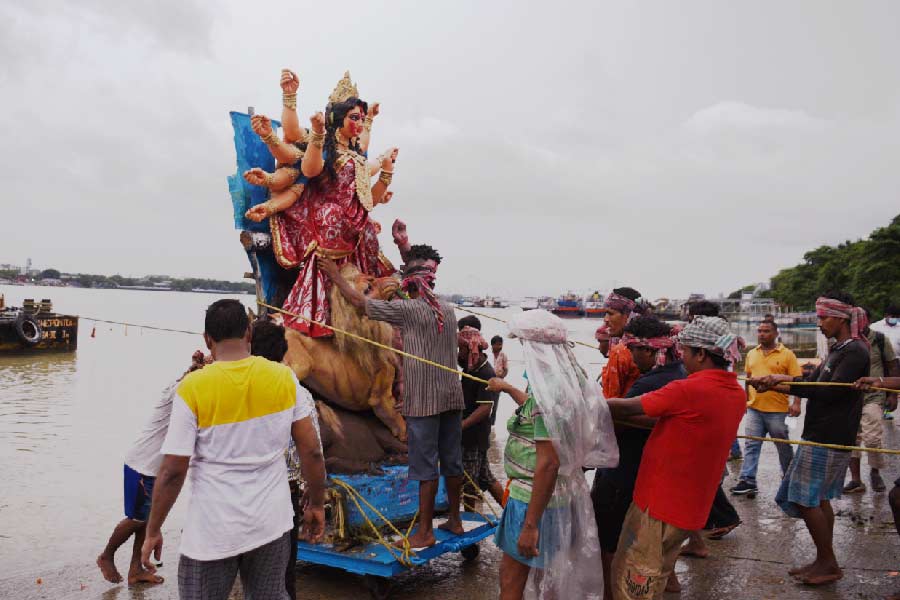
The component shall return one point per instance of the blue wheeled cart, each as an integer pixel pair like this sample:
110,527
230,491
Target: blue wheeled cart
369,500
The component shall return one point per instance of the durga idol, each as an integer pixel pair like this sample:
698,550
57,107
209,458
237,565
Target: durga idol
321,196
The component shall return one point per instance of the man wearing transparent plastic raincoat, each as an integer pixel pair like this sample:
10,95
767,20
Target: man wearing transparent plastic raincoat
548,532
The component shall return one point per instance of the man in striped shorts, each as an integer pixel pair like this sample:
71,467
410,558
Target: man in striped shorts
816,475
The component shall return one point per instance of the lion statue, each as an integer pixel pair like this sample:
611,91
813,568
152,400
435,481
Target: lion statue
348,372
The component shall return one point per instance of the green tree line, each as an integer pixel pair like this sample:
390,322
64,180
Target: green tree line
108,282
869,269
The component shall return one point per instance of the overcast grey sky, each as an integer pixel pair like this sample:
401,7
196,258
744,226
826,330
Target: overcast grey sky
674,147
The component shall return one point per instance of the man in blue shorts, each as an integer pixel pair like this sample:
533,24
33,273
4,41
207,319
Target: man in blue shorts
141,465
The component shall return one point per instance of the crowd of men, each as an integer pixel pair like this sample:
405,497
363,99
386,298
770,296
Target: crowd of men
673,392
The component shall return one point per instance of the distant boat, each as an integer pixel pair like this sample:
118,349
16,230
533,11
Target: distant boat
569,305
466,302
491,302
530,303
593,306
546,303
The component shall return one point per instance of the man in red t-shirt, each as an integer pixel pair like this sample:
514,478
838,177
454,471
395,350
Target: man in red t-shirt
682,462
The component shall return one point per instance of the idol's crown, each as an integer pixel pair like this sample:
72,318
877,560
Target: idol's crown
343,90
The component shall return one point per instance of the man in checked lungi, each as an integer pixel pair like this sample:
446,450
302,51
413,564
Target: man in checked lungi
816,475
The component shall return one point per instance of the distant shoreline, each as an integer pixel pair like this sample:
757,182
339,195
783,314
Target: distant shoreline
127,288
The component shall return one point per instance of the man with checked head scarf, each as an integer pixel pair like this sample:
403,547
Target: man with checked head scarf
816,475
683,460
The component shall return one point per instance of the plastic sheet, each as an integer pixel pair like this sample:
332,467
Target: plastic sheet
578,419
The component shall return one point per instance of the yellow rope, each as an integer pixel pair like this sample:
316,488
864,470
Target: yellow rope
820,445
594,346
783,441
374,343
402,557
830,383
480,495
479,380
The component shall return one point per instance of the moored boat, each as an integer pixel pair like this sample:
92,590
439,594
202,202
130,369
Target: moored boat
546,303
569,305
34,327
492,302
593,306
529,303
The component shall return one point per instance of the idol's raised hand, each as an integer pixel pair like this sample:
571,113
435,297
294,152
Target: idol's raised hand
398,230
388,158
317,121
290,83
261,125
374,109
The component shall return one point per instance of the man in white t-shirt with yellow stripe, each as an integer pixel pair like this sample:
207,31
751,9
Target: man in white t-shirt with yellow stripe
231,423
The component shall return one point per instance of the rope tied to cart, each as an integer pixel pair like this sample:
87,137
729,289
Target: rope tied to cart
402,555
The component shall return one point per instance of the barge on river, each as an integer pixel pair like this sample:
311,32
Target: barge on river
569,305
34,327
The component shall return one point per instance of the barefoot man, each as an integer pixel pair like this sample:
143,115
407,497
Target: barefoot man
141,464
433,398
816,475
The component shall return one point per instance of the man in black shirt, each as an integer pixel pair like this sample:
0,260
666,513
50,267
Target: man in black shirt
816,474
476,425
646,338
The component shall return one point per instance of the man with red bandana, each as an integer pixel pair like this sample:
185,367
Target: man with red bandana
816,475
433,398
620,372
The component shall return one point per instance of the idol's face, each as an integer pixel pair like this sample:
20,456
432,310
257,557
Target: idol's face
354,123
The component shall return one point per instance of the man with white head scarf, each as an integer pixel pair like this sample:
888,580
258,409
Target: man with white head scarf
683,459
547,532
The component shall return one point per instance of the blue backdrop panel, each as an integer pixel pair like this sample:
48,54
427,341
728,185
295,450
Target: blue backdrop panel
252,152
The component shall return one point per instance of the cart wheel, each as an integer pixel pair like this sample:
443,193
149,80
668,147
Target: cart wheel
379,587
470,552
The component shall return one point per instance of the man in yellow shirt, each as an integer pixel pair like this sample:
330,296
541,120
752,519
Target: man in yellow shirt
766,411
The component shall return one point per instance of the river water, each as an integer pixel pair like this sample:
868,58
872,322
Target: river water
67,420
